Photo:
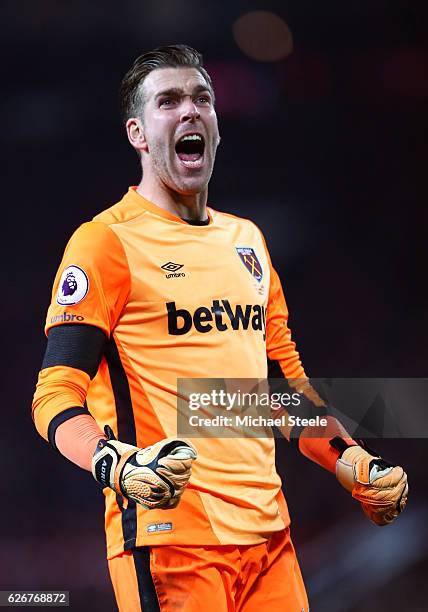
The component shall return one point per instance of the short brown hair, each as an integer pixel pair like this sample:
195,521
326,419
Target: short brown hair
170,56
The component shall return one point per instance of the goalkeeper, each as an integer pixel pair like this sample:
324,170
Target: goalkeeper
158,287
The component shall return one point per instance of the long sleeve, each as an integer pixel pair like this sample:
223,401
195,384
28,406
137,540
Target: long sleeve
284,361
89,292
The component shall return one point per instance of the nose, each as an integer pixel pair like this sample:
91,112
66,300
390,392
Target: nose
189,111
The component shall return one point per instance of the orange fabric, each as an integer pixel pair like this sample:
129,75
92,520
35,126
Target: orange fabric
314,443
125,585
264,576
280,347
235,491
77,439
58,388
96,250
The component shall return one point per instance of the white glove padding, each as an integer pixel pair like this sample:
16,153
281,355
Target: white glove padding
155,476
380,487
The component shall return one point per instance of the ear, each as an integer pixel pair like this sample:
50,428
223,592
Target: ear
135,132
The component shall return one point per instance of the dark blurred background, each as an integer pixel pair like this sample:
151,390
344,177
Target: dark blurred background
323,117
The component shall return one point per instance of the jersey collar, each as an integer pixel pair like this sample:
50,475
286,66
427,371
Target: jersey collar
157,210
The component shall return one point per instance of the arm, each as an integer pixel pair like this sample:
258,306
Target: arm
380,487
92,287
284,362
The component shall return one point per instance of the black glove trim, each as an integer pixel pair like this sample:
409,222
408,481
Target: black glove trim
340,445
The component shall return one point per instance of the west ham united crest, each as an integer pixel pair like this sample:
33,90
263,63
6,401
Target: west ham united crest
249,259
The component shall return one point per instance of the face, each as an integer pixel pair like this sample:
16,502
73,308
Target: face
179,129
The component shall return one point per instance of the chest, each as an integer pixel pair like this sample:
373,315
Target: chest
198,270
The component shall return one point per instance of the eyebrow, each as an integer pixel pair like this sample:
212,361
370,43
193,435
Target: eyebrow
178,91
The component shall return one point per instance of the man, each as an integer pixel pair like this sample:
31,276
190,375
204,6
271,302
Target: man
154,289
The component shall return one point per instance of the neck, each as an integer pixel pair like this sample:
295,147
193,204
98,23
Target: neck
192,207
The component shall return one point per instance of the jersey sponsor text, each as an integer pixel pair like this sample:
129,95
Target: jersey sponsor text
220,315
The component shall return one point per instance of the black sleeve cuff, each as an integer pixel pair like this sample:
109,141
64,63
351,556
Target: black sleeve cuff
60,418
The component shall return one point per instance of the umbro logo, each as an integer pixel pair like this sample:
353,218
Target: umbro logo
170,266
173,268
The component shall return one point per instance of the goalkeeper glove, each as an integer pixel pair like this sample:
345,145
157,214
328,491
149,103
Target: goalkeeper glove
155,476
380,487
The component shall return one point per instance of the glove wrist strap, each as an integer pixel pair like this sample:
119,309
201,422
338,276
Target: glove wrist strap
345,474
104,463
119,468
354,466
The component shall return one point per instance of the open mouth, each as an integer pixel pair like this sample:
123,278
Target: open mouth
190,150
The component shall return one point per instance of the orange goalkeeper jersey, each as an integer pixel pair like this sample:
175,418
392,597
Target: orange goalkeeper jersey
175,301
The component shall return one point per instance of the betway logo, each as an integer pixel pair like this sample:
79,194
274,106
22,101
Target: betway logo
220,315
